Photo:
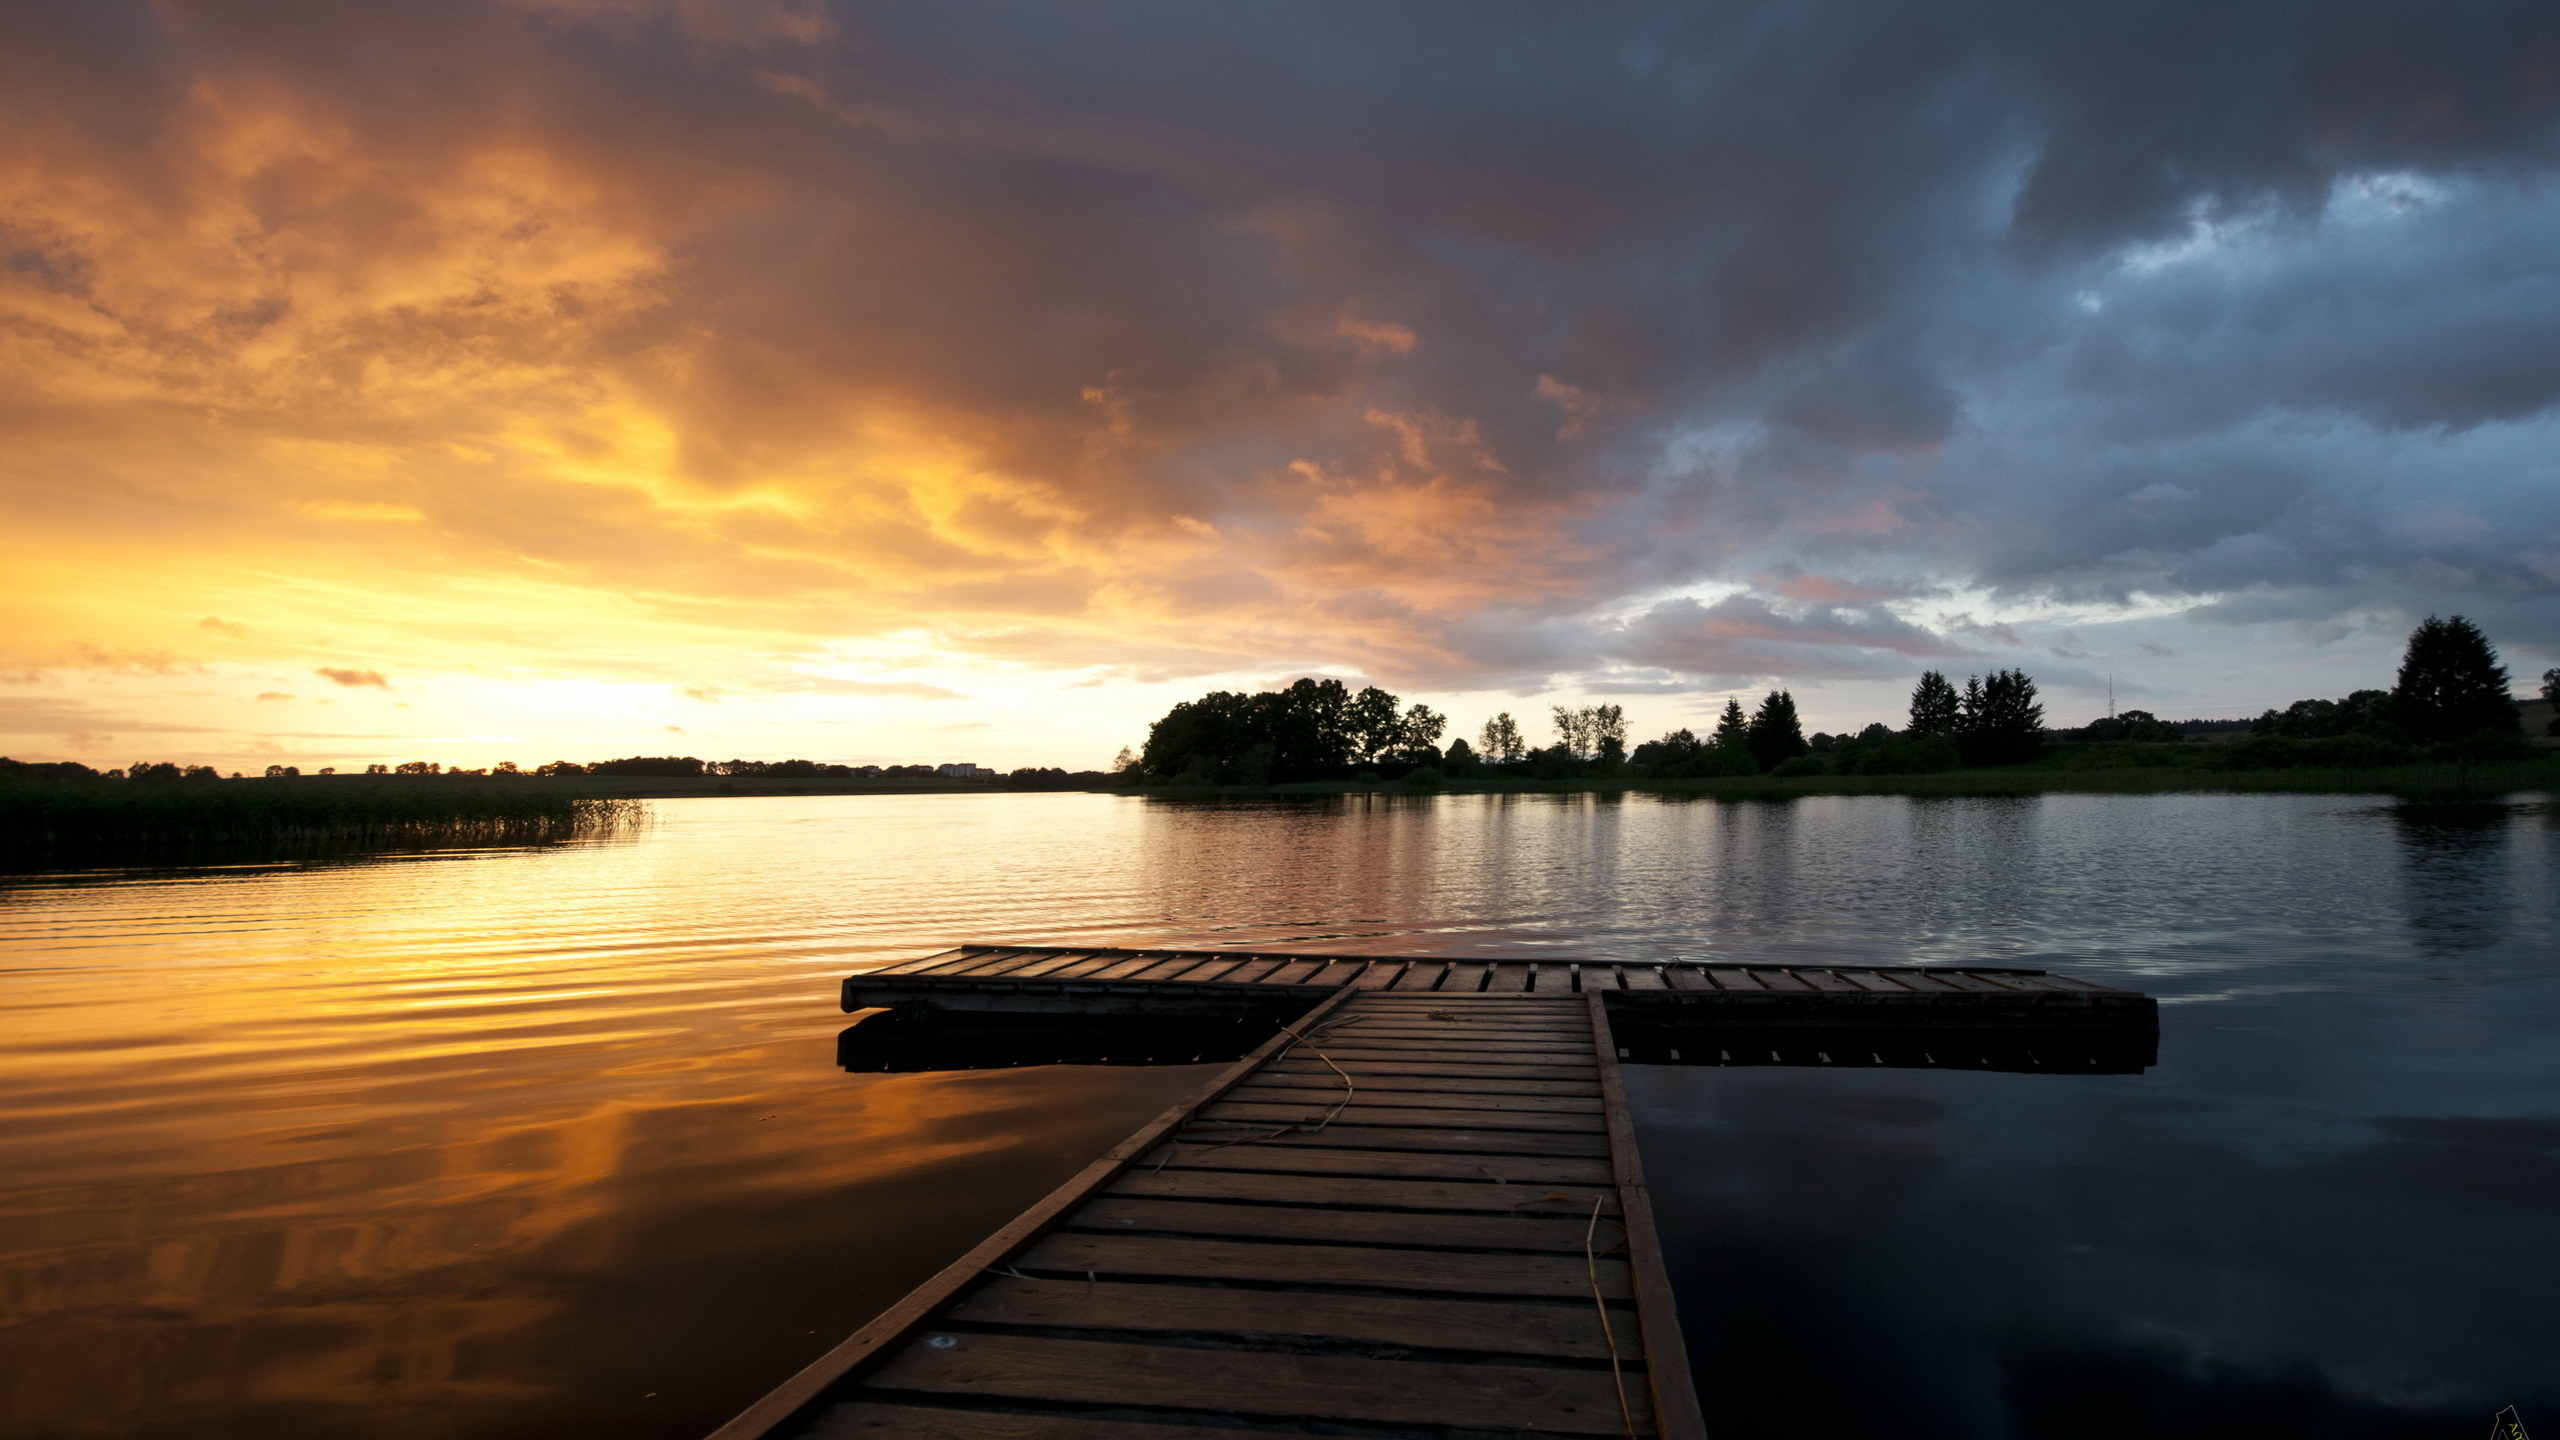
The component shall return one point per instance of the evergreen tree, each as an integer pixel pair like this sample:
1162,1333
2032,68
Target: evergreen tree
1733,728
2451,684
1776,736
1934,706
1998,721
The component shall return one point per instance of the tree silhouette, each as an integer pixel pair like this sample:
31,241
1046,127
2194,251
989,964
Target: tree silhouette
1934,706
1500,742
1998,721
2451,684
1733,728
1776,735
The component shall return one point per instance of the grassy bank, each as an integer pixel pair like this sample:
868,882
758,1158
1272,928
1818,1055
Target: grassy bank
2421,782
78,815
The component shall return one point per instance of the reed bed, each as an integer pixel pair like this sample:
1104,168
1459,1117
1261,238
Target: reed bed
336,810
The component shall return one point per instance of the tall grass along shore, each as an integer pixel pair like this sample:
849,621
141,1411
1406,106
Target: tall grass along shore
39,813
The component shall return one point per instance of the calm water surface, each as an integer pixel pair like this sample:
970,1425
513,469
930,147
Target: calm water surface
551,1142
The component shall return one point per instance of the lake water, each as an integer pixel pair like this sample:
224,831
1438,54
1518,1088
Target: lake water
551,1142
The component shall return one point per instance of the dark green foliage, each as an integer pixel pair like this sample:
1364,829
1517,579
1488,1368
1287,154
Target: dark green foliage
1800,765
1776,735
1733,728
1501,742
658,765
2367,711
1681,755
1878,751
1313,730
2551,697
1426,777
1999,721
1934,706
2355,750
2138,726
2451,683
1461,759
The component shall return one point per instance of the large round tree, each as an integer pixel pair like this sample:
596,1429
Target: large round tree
2451,684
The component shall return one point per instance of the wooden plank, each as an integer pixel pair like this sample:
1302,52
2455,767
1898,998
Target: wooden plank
1049,966
1379,975
1465,978
1666,1356
1509,977
1358,1067
900,1321
1641,977
938,960
1430,1084
1420,975
1252,971
1126,966
1435,1031
1086,968
1471,1272
1829,982
1291,972
1515,1170
1436,1323
1550,1056
1338,972
1690,977
981,961
1781,981
1878,982
1315,1109
1922,982
1480,1140
1733,977
1560,1233
1254,1383
1971,984
1425,1099
1007,965
1479,1196
874,1420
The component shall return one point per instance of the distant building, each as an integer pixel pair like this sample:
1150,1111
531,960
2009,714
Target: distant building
964,771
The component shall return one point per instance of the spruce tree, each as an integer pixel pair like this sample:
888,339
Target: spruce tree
1776,736
1733,728
1999,721
2451,684
1933,706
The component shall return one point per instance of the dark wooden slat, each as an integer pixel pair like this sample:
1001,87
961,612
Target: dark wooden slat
1924,983
1827,981
1417,1099
981,961
1876,981
1666,1355
878,1420
1086,968
1481,1196
1428,1084
1291,972
1435,1323
1734,977
1465,978
1562,1234
1049,966
1782,982
1420,975
1126,966
1690,977
1314,1109
901,1320
1017,961
1971,984
1510,977
1514,1170
1358,1067
1379,975
1482,1140
939,960
1641,977
1244,1382
1431,1032
1347,1048
1441,1272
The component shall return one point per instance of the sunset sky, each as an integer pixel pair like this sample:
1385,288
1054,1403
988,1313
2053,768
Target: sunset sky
961,381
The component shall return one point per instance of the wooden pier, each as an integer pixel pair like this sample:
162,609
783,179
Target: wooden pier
1416,1209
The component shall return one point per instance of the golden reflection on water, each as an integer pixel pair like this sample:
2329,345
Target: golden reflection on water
552,1141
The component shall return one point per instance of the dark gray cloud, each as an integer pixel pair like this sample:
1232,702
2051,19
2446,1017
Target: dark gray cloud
2249,308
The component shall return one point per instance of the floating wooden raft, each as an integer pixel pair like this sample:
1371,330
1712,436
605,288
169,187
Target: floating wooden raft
1408,1214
